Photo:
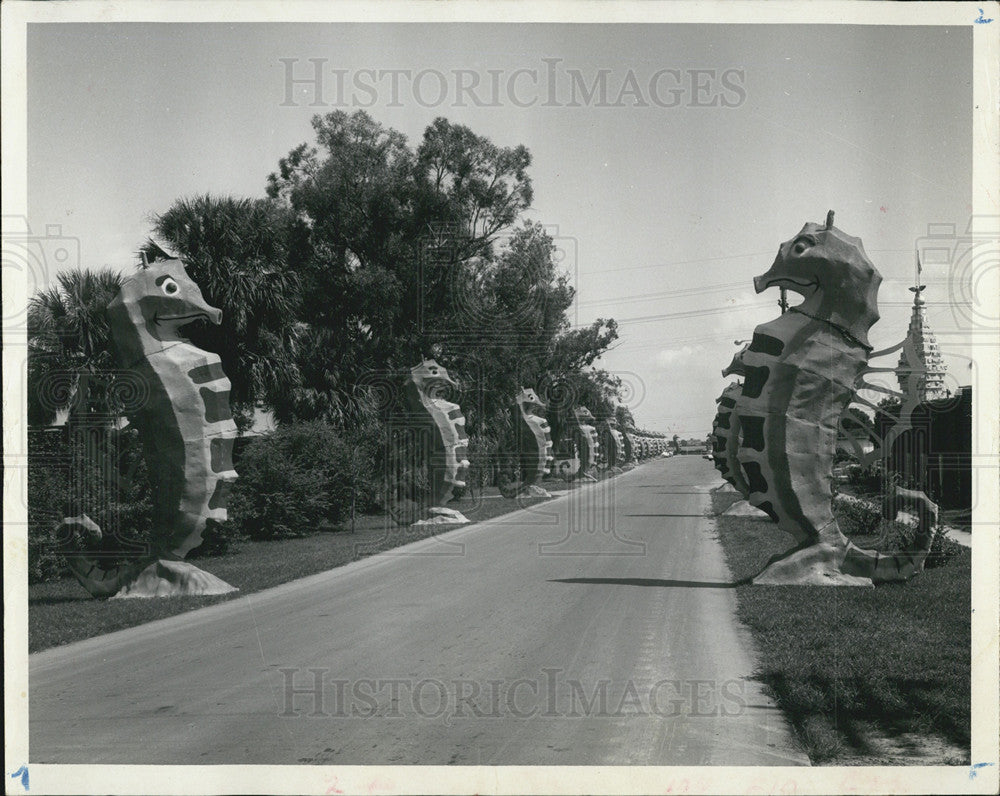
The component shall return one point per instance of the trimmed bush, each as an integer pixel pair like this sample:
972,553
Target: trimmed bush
857,517
300,479
863,518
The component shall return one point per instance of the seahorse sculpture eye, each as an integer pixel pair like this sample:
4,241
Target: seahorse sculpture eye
186,429
427,391
801,370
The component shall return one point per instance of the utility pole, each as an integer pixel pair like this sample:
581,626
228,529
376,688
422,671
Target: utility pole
783,301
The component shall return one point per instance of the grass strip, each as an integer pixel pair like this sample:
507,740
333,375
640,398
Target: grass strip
852,667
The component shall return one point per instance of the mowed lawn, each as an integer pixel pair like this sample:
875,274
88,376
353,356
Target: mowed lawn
865,675
62,611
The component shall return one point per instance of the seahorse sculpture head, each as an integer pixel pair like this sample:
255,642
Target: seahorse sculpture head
832,272
433,381
530,403
737,367
161,298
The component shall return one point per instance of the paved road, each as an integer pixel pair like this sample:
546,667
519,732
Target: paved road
597,628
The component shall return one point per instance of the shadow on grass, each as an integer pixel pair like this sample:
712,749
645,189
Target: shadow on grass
83,598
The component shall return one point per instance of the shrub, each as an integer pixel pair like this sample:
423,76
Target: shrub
97,471
299,480
900,536
100,472
943,550
863,518
218,539
47,493
870,480
857,517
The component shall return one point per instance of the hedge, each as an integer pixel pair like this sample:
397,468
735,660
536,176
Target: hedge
303,478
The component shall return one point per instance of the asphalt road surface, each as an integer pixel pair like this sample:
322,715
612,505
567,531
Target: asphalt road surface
597,628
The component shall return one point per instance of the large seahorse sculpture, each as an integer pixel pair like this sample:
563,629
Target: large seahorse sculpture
612,443
584,431
534,442
186,429
725,439
726,429
427,391
801,373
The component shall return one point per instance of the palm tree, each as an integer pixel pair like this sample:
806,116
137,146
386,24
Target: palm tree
68,338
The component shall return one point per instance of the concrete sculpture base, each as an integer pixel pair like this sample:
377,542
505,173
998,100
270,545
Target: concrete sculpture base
744,509
439,515
817,565
165,578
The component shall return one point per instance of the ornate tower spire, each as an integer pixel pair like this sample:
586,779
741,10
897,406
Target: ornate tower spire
929,364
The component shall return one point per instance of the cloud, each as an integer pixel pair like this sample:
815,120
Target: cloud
671,356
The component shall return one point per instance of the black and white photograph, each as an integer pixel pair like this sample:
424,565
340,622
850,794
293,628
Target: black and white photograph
454,397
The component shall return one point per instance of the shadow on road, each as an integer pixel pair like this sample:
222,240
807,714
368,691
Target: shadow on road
669,515
681,584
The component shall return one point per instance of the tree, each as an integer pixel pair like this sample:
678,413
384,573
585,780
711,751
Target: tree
573,378
471,185
505,322
388,237
626,422
68,339
239,253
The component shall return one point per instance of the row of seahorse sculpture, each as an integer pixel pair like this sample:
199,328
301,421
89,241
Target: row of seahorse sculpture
774,436
187,431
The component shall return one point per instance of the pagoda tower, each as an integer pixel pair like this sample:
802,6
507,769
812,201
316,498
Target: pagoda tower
929,363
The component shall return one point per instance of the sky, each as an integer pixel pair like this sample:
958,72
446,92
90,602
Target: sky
667,192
